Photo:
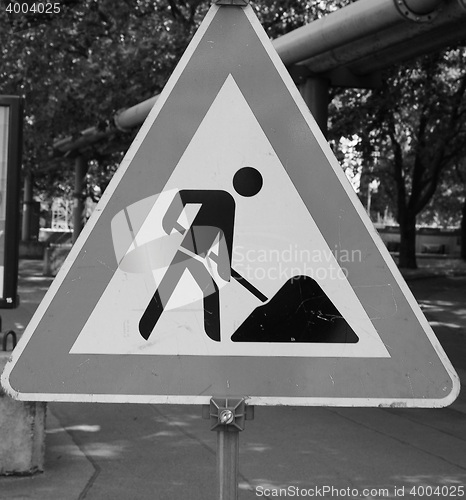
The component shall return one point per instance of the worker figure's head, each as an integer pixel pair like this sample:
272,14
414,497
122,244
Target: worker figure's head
247,181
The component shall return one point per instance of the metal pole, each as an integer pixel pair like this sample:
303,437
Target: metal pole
227,417
27,202
369,199
315,93
227,463
80,170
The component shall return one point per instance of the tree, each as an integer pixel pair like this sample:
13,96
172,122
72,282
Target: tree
411,130
461,172
445,207
78,67
448,205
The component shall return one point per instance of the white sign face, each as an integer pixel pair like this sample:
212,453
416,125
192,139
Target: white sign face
275,239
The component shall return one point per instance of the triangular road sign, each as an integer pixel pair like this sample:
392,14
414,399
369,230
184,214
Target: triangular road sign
230,257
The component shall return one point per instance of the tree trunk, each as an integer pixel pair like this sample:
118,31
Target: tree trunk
407,258
463,231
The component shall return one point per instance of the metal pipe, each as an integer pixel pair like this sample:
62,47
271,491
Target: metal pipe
92,135
124,120
327,61
405,39
447,28
404,51
341,37
355,21
422,7
348,23
128,118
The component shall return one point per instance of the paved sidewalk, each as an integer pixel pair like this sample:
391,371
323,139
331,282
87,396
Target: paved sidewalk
167,452
67,473
430,267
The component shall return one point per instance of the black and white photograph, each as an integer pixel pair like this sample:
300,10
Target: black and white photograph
232,249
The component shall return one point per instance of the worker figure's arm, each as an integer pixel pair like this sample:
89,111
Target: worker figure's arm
222,260
170,219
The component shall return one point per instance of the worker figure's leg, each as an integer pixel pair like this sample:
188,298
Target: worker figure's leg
204,280
163,293
210,291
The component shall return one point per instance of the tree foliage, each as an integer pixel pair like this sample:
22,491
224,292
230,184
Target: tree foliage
411,131
76,68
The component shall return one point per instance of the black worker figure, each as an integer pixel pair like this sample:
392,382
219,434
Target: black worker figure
214,222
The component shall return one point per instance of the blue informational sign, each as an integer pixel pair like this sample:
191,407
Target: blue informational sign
10,168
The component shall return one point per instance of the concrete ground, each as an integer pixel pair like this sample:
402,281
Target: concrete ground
121,452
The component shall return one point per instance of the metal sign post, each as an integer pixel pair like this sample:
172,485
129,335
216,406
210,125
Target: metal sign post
227,417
